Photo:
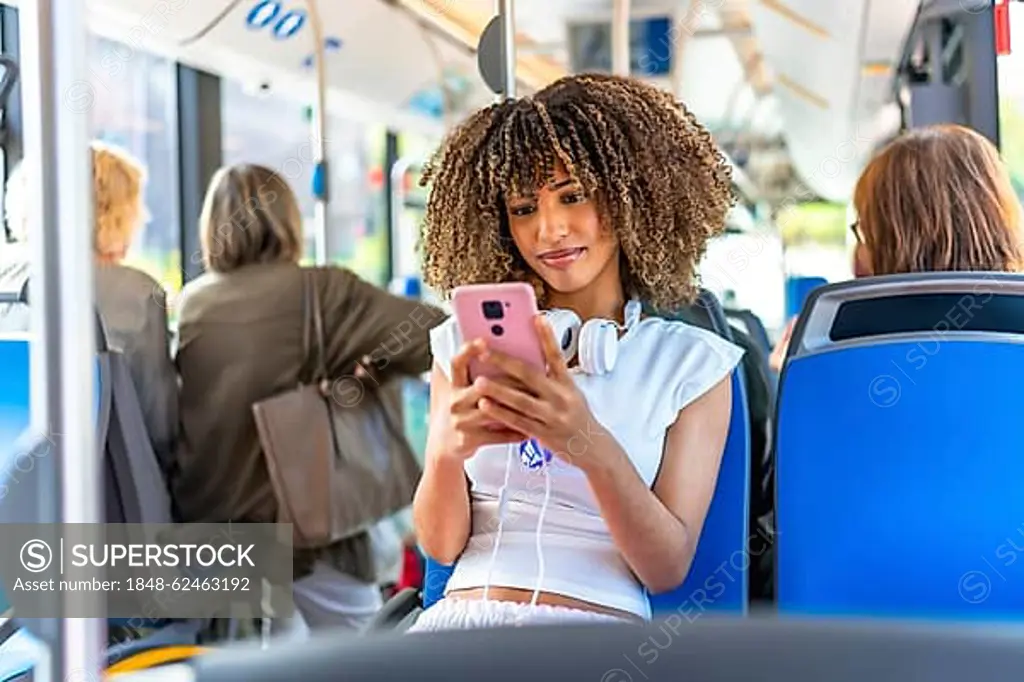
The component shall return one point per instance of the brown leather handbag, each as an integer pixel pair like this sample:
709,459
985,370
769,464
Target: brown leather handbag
337,464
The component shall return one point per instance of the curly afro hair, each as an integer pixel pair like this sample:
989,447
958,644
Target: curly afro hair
659,181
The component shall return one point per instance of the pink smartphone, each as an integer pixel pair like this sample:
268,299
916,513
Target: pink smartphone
502,315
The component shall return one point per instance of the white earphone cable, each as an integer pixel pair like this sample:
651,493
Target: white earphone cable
540,535
502,499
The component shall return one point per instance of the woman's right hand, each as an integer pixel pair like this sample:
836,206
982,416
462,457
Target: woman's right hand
466,428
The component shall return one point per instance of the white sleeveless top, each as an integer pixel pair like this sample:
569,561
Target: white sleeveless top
662,367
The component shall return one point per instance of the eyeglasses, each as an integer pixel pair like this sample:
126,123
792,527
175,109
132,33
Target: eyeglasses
855,228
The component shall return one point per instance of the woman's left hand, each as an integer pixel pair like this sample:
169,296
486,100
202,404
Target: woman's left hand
546,406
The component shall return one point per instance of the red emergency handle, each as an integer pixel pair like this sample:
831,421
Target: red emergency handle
1001,15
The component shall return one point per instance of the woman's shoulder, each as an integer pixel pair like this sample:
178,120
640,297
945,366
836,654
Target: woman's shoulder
127,276
689,360
124,289
668,335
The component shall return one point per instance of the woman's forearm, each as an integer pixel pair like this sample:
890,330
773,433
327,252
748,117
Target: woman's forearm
441,511
653,541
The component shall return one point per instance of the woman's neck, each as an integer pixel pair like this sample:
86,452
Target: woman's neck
605,302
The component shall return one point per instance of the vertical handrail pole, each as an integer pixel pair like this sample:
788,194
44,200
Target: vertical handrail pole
55,86
398,171
507,11
620,37
321,182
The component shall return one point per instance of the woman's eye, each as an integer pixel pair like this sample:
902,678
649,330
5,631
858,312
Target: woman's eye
521,210
573,197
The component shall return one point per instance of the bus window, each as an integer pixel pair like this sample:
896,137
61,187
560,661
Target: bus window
275,131
1011,100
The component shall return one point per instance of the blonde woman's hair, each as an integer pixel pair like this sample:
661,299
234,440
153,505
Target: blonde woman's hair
118,180
939,199
250,215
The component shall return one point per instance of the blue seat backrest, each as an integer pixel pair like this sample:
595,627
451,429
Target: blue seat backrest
15,385
900,454
797,291
15,419
15,388
717,581
435,577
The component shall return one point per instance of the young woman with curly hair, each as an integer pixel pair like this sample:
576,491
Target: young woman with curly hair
602,192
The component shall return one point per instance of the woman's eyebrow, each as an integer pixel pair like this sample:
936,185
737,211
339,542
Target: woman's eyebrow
562,183
526,196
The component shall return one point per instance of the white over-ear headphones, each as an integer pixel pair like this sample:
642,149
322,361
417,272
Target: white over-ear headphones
596,342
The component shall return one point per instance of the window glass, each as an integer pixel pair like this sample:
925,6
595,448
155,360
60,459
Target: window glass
135,107
1011,99
3,152
358,234
276,132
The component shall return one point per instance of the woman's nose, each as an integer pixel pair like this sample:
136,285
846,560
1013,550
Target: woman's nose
552,225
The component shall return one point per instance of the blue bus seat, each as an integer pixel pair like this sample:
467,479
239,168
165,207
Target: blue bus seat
899,450
798,289
15,386
21,457
717,581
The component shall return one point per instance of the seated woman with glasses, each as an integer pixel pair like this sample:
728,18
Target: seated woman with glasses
934,199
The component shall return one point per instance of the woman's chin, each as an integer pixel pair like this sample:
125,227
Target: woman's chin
565,284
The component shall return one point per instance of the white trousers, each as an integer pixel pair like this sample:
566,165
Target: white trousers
463,614
327,599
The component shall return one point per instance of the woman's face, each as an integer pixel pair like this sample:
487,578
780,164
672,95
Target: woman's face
560,235
861,255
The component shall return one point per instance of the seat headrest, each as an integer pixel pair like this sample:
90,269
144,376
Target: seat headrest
981,304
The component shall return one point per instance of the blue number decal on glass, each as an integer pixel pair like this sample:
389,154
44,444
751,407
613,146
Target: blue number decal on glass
263,13
289,24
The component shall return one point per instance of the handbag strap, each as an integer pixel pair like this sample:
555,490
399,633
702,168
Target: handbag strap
318,330
313,329
307,323
314,319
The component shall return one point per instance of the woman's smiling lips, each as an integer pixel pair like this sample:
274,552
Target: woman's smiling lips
560,259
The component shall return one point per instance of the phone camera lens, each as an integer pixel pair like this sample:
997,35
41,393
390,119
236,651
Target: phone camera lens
497,330
567,339
493,310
